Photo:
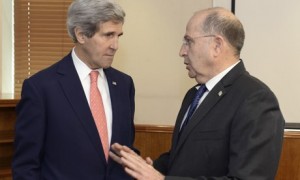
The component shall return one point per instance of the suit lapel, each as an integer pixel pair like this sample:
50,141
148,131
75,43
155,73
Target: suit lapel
72,88
211,99
114,91
184,107
215,95
208,103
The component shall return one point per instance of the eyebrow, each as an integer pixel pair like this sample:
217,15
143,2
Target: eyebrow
113,33
187,37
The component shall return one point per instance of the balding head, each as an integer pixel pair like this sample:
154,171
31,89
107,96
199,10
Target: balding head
213,40
220,21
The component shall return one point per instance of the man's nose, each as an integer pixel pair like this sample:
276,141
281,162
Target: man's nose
182,51
115,43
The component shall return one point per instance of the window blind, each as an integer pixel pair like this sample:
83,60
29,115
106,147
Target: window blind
41,37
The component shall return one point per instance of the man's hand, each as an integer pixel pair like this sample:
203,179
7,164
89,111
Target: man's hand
134,164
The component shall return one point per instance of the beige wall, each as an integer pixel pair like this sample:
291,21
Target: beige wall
152,37
148,51
272,48
1,46
153,33
6,47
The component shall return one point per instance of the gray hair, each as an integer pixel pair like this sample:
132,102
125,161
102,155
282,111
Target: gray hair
227,25
89,14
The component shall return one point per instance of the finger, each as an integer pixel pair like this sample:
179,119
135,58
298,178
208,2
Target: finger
116,147
115,157
131,156
127,149
149,161
143,172
134,162
129,161
132,173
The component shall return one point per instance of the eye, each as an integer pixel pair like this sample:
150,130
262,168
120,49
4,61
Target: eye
187,41
109,35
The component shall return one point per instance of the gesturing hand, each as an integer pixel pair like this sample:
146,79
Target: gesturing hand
134,164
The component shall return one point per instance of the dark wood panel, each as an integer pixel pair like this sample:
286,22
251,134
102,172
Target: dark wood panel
7,122
152,140
289,165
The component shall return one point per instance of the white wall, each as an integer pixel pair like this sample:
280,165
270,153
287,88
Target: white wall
153,33
272,48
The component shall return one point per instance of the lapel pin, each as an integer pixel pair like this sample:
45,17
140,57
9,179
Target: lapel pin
114,83
220,93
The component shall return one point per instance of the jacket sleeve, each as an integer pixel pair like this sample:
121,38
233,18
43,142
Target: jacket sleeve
29,134
161,163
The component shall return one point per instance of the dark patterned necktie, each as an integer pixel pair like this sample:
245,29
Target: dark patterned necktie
194,104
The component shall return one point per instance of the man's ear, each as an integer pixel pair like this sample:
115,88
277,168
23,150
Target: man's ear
218,44
79,35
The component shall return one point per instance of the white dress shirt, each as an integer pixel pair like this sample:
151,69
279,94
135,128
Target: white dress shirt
83,72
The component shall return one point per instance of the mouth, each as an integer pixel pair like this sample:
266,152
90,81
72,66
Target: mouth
187,66
186,62
109,56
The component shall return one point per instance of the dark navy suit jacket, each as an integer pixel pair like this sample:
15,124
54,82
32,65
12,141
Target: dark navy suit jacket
56,137
236,133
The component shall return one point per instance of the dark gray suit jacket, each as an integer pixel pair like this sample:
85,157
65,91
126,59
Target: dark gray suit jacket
236,133
56,137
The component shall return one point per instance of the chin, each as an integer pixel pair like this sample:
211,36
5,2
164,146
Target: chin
191,75
105,66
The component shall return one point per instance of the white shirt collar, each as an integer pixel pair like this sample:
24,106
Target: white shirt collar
82,69
212,82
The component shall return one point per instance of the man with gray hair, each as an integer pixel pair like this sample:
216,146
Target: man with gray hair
230,125
70,112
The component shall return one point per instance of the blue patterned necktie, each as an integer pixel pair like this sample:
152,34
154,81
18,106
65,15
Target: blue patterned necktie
194,104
